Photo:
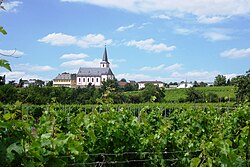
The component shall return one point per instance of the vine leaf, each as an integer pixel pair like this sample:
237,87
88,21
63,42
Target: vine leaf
12,149
5,64
195,162
2,30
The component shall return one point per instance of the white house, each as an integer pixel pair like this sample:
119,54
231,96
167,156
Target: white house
95,76
65,80
185,85
141,84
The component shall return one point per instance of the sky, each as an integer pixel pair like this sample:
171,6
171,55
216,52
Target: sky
164,40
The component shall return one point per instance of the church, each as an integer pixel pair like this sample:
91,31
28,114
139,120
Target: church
95,76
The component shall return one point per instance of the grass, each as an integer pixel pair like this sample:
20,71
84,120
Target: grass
174,95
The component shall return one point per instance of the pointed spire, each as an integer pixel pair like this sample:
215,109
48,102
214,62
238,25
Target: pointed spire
105,55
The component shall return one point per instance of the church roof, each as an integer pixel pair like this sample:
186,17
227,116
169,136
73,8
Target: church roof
66,76
94,72
105,56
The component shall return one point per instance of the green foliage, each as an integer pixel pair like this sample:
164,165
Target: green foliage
242,84
212,94
2,30
220,80
205,136
194,95
5,64
152,93
89,95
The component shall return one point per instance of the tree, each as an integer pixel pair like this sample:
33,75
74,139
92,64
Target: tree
196,84
152,93
220,80
39,83
123,80
194,95
2,80
242,84
109,84
21,83
228,82
49,84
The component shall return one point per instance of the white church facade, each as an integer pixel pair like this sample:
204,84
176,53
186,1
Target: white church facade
95,76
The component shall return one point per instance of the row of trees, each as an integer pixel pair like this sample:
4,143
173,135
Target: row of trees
108,93
241,83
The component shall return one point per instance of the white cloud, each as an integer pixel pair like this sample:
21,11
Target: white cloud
84,63
14,53
194,7
58,39
183,31
216,36
136,77
163,68
93,40
74,56
210,20
157,68
123,28
141,77
11,6
33,68
149,45
81,63
173,67
230,76
16,75
144,25
90,40
161,16
236,53
205,76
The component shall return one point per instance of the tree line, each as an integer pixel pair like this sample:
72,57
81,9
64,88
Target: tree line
110,92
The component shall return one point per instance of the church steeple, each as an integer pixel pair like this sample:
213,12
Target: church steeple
104,63
105,55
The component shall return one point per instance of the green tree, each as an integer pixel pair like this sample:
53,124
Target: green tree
152,93
202,84
2,80
110,83
123,80
242,84
49,84
194,95
220,80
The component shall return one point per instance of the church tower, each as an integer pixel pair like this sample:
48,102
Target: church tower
104,63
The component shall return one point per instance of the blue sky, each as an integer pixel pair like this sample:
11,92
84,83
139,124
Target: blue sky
162,40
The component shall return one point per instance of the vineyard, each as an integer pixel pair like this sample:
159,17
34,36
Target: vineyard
109,135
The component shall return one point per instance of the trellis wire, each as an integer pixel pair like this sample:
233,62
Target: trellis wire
127,161
122,162
133,153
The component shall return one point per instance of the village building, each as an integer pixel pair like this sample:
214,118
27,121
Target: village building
185,85
95,76
65,80
142,84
